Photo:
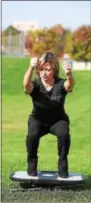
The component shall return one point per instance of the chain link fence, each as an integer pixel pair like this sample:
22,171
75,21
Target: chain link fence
13,45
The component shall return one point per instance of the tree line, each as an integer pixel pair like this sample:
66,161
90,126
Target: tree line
59,40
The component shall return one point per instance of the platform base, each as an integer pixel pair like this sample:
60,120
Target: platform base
46,178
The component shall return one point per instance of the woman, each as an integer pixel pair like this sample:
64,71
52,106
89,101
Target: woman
48,93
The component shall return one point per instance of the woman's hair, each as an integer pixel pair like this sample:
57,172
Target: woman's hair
50,58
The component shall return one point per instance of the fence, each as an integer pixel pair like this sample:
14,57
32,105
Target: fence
13,45
81,65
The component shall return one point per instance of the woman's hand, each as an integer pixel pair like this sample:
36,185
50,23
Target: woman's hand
33,62
70,82
67,68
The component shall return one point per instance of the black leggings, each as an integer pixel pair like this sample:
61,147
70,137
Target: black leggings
36,130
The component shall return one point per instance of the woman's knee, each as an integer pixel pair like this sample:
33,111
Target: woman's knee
32,137
35,129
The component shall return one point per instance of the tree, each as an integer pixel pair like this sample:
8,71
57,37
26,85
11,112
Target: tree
58,29
81,44
44,40
28,42
10,30
60,39
68,42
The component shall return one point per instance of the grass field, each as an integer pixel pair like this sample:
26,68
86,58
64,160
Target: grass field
16,107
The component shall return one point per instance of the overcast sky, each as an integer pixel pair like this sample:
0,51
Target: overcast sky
70,14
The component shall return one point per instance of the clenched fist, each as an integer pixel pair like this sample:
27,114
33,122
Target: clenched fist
34,62
67,66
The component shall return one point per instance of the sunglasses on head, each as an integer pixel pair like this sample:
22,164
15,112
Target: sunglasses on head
47,57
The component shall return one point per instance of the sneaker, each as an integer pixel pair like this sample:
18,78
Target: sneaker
32,177
62,176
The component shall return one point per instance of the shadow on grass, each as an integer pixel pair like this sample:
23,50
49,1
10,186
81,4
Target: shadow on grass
88,182
27,193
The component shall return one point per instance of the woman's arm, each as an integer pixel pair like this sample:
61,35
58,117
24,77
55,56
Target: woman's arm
27,83
70,81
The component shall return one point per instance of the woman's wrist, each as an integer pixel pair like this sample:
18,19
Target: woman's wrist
69,75
31,67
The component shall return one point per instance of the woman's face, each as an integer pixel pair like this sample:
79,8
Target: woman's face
46,72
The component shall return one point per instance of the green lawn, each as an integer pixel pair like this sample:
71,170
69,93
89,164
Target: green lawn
16,107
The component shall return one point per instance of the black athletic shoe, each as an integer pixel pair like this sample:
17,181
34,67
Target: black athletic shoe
32,173
32,176
63,175
32,167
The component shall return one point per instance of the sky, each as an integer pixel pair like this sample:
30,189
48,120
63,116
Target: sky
70,14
